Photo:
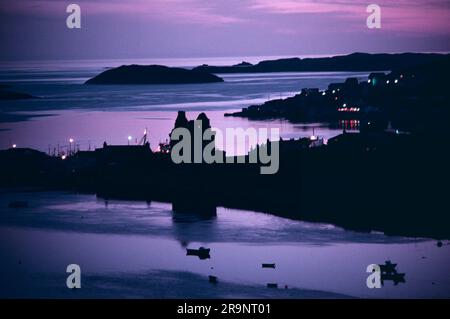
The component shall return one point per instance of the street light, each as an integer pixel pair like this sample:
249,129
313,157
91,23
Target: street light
129,139
70,145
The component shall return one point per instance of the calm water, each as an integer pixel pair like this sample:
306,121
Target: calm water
136,249
94,114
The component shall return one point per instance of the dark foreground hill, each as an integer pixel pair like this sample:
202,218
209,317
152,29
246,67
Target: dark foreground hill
152,74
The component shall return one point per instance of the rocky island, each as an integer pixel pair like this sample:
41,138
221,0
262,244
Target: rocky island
7,94
152,74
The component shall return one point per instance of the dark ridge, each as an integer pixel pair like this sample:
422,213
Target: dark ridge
152,74
7,94
407,97
352,62
11,95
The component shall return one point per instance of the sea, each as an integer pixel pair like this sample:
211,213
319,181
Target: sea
135,249
92,114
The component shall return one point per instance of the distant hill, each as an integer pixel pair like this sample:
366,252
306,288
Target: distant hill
351,62
6,94
152,74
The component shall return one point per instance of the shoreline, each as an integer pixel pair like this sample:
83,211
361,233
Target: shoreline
399,207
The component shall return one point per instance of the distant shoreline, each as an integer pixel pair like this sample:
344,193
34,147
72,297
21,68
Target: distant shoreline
355,62
186,62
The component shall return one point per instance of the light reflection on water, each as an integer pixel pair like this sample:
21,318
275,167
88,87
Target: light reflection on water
94,114
127,239
121,243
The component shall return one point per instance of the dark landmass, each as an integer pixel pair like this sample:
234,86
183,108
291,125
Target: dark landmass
409,98
11,95
373,180
7,94
352,62
152,74
14,117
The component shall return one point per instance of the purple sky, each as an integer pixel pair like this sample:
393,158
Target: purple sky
35,29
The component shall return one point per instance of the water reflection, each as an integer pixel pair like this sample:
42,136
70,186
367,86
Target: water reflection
129,240
188,227
349,125
389,272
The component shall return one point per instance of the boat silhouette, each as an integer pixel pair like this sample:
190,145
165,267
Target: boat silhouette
202,252
389,272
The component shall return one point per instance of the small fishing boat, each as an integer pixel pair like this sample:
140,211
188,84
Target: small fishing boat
201,253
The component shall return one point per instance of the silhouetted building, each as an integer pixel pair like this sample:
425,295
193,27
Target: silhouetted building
195,127
310,92
115,154
377,78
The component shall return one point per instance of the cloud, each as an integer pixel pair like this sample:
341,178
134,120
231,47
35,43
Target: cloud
299,6
171,11
411,16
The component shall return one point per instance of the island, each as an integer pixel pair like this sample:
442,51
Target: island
7,94
152,74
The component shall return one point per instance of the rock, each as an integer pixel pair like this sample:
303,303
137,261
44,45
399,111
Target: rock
152,74
11,95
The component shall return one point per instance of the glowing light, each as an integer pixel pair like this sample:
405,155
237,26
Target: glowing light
130,137
368,81
14,145
396,81
313,138
71,140
344,105
63,157
387,82
334,91
348,109
323,93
